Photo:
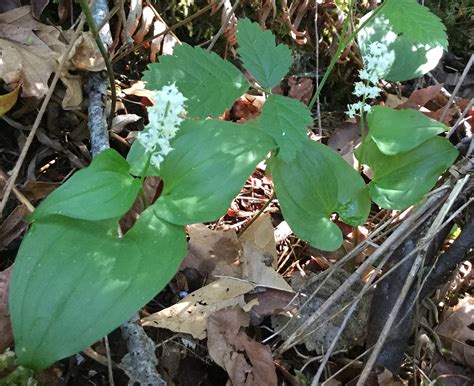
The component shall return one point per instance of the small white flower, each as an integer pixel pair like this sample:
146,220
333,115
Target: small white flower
376,63
165,117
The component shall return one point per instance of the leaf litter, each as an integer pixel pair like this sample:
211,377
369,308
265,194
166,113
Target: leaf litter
248,263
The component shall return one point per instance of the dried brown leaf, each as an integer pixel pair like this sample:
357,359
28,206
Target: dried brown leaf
190,314
423,96
13,226
145,25
300,89
84,54
213,252
259,258
6,336
456,331
247,362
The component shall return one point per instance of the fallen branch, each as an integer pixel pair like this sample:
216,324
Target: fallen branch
140,363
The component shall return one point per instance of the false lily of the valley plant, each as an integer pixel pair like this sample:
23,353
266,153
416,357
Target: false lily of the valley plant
76,279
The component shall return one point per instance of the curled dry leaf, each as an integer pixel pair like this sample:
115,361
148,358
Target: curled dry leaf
6,336
145,25
259,259
155,46
456,331
7,101
13,226
423,96
190,315
85,56
26,58
30,53
246,361
133,17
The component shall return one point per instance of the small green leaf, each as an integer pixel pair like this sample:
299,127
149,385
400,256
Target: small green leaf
75,281
210,163
403,179
285,120
101,191
414,37
210,83
267,62
317,183
398,131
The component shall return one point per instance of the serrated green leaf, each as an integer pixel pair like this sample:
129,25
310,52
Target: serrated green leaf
403,179
75,281
317,183
101,191
414,37
285,120
210,163
398,131
266,61
210,83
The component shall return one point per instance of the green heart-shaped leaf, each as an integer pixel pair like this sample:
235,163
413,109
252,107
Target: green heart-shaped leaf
414,37
266,61
316,184
403,179
101,191
210,163
398,131
210,83
75,281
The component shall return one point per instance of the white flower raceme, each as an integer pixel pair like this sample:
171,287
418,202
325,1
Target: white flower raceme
376,63
164,118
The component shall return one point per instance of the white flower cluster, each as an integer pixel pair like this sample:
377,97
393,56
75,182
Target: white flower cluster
376,63
164,118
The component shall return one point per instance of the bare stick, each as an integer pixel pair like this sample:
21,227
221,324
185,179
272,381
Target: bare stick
221,30
407,285
388,247
456,89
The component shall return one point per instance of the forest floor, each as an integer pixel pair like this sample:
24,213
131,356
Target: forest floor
234,332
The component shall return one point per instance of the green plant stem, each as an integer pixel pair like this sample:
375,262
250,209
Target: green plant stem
340,48
105,54
258,214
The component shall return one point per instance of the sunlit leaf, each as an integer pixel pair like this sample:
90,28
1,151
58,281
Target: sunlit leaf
316,184
75,281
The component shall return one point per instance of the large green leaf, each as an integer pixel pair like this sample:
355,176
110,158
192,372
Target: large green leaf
285,120
101,191
74,281
317,183
263,59
210,83
403,179
398,131
209,164
414,37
